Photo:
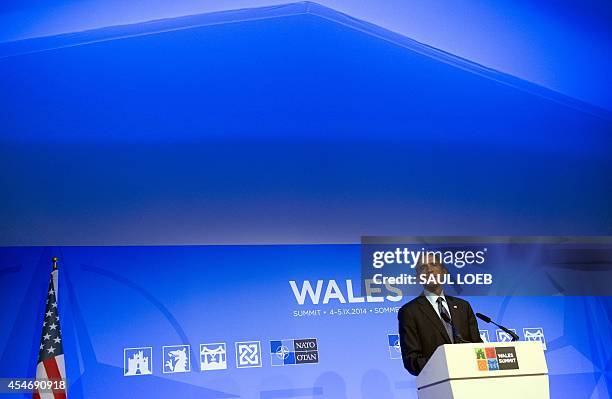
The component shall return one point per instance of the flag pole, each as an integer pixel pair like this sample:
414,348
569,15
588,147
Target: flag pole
54,260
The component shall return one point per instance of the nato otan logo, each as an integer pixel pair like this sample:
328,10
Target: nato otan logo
248,354
395,351
177,359
294,351
484,335
138,361
213,356
535,335
503,336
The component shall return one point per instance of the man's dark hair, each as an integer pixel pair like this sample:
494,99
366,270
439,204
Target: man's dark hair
425,260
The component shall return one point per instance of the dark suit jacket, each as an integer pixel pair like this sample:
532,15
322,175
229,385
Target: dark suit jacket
421,330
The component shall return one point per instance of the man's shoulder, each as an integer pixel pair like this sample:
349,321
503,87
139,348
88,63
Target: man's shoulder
415,301
410,305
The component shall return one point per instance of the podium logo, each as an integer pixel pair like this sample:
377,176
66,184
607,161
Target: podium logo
137,361
395,351
294,351
506,358
535,335
496,358
248,354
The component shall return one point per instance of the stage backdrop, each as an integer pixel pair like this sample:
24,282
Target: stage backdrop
227,321
291,124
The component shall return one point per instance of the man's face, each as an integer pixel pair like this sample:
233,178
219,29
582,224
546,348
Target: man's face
429,268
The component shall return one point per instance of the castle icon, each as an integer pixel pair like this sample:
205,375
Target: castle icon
137,361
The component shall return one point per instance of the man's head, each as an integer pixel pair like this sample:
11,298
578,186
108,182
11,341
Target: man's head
430,265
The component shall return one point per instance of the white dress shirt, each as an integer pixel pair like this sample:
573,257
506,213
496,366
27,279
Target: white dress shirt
433,299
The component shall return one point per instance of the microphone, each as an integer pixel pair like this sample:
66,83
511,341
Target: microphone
487,319
456,335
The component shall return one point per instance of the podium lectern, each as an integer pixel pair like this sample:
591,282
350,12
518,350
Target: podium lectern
508,370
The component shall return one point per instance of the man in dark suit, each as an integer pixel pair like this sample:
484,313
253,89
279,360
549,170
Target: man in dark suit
433,319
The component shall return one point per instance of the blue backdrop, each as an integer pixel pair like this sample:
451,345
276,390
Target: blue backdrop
282,125
111,300
291,124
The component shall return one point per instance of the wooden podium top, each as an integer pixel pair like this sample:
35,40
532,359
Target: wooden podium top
483,360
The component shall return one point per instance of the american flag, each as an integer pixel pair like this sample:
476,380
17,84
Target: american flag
50,365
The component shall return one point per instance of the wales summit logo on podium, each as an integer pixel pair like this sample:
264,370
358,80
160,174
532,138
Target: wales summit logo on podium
294,351
496,358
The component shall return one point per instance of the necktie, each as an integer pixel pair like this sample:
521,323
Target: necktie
447,326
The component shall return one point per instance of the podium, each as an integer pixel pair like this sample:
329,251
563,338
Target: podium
507,370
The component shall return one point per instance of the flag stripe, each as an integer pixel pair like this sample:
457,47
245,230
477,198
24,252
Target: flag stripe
60,365
41,374
54,374
44,395
51,369
59,360
54,276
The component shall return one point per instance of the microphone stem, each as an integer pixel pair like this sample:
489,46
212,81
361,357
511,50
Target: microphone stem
507,331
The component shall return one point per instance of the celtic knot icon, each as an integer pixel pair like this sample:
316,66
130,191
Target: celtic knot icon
248,354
